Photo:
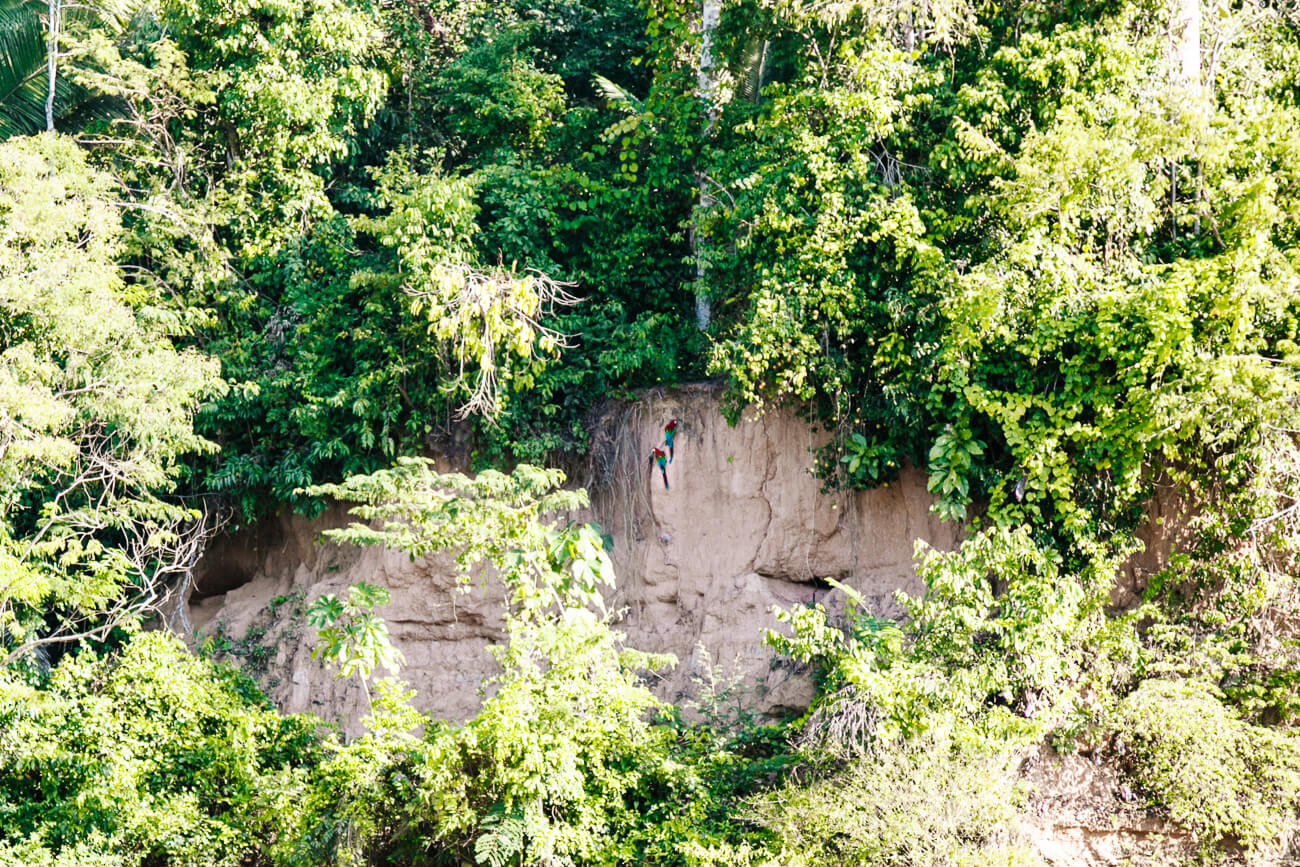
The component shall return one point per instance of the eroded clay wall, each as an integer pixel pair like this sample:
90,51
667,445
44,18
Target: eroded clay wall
744,527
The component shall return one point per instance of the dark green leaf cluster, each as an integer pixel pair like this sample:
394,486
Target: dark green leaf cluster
335,371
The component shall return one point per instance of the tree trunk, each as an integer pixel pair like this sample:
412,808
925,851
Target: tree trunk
1185,31
52,61
1185,70
707,79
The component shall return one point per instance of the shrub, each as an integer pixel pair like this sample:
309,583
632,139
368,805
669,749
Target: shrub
148,755
921,804
1215,773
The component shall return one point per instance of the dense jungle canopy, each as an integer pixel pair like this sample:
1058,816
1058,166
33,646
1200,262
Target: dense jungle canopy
256,254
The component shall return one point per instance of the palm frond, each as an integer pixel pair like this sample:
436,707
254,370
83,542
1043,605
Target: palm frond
752,62
23,82
22,67
116,14
619,96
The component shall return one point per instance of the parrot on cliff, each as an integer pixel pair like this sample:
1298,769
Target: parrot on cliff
659,456
670,430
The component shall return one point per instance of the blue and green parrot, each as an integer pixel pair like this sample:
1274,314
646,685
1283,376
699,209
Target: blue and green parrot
670,430
659,456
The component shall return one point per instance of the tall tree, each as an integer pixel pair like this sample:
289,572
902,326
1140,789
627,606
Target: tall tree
52,23
230,119
707,78
1185,32
96,408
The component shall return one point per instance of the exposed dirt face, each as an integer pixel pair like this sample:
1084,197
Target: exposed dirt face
1082,813
744,527
443,633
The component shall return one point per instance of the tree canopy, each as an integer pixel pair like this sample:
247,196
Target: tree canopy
276,252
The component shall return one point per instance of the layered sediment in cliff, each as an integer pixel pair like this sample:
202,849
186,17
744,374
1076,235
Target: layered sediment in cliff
744,527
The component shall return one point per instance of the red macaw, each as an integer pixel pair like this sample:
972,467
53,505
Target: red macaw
657,455
670,430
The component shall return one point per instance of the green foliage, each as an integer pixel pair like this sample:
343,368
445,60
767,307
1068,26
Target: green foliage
692,799
864,459
240,107
230,122
1011,245
1006,644
1019,259
540,773
147,755
362,286
994,645
565,204
951,459
1015,250
867,640
920,806
819,266
331,375
489,518
483,318
1002,609
97,411
350,635
493,98
556,745
1214,772
922,721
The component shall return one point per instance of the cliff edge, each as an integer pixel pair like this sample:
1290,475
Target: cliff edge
744,527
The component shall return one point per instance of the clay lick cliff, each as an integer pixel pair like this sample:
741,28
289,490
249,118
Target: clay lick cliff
699,566
744,527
